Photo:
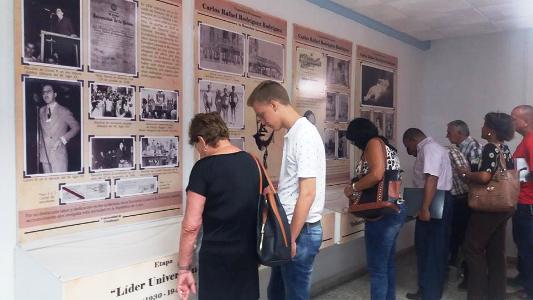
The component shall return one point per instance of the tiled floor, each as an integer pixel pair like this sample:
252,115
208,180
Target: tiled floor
359,289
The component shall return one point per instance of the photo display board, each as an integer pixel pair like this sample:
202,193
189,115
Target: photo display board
98,109
377,92
238,47
322,92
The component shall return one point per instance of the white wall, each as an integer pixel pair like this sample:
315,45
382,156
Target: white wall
7,152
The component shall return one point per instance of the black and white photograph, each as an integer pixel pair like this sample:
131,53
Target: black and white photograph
227,99
366,114
113,36
112,153
389,126
311,73
221,50
379,121
338,71
159,105
237,142
111,102
126,187
52,126
331,107
159,152
377,86
310,116
85,191
329,143
342,108
342,145
51,33
266,60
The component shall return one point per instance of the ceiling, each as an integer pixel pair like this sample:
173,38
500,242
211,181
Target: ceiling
438,19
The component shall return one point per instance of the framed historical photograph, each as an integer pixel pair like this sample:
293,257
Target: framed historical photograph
227,99
366,114
52,126
237,142
111,153
379,121
51,32
342,144
311,73
266,60
159,105
113,36
342,108
390,126
127,187
338,71
220,50
84,191
377,87
113,102
159,152
331,107
329,143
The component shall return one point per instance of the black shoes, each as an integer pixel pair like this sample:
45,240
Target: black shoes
413,296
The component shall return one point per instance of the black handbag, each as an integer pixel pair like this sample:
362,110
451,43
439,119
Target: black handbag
379,200
273,230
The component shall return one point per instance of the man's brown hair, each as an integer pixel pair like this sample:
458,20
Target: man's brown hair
267,91
210,126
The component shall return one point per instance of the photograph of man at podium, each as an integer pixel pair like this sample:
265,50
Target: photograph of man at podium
52,32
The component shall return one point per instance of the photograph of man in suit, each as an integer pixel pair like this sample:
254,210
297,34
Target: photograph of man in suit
57,126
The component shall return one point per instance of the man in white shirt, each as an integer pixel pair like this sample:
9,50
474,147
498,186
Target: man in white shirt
432,171
301,188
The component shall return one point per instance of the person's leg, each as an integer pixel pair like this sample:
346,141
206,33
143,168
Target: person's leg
395,227
524,216
47,168
297,273
496,258
519,263
276,286
377,250
458,228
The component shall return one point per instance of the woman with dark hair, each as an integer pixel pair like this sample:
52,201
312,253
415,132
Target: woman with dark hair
484,244
222,195
380,234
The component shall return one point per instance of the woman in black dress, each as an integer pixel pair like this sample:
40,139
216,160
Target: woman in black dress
222,195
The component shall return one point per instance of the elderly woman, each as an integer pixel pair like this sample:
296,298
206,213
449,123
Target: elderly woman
484,243
381,234
222,195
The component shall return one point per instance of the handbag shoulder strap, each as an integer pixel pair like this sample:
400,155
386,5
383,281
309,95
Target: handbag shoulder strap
262,171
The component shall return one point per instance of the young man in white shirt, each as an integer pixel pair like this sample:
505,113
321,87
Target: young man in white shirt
301,188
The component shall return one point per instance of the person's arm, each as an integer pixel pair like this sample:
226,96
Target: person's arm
190,226
430,187
74,127
376,166
306,196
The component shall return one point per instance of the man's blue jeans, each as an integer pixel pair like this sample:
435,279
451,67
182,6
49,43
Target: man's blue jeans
292,281
523,237
380,240
432,247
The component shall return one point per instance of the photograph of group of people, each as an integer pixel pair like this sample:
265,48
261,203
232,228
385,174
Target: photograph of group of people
111,101
384,121
159,105
109,153
335,144
377,87
158,152
52,126
223,50
337,107
225,98
51,32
